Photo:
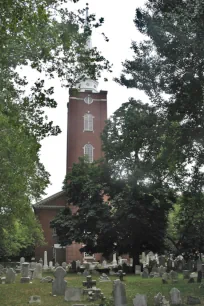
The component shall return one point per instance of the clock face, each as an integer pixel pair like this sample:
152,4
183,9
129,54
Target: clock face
88,100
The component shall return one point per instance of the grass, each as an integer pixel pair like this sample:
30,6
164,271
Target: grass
18,294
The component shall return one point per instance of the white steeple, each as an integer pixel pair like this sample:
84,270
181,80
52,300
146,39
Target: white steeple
88,84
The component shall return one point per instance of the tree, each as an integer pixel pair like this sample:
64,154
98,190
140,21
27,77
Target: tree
139,193
168,66
87,218
50,39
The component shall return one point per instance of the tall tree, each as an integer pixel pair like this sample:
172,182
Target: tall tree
168,66
50,39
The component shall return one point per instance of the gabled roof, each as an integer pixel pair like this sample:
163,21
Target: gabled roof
50,201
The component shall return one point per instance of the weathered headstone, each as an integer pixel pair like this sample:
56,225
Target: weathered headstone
38,271
24,273
33,263
10,276
50,264
47,279
64,265
140,300
86,273
145,273
121,274
104,264
59,285
104,278
73,294
22,260
173,276
158,299
78,264
41,261
175,296
35,299
162,261
119,293
137,269
186,274
193,300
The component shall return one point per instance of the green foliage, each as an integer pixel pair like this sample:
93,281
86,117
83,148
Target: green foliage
88,219
51,40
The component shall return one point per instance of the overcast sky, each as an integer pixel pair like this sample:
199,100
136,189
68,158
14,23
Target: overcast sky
120,29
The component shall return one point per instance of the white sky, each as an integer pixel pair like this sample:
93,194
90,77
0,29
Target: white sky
120,29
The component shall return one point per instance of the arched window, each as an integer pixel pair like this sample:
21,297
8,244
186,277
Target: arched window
88,151
88,122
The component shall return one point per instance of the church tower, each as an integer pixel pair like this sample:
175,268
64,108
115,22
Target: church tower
87,113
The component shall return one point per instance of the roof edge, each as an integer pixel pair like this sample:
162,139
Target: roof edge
44,201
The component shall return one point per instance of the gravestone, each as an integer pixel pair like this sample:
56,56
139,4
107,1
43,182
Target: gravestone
33,263
173,276
89,283
193,300
186,274
22,260
199,265
64,265
47,279
161,270
74,266
78,264
59,285
73,294
199,278
145,273
104,278
137,270
35,299
104,264
140,300
50,265
24,273
119,294
175,296
38,271
41,261
162,261
86,273
10,276
121,274
45,267
57,265
158,299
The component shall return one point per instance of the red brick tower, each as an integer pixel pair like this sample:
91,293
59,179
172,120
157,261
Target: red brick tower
87,112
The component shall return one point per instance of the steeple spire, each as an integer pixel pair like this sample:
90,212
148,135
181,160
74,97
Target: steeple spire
89,40
88,84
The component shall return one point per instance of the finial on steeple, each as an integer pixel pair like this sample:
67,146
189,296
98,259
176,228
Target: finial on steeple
87,13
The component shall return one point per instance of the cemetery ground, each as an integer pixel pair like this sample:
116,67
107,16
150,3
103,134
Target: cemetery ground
18,294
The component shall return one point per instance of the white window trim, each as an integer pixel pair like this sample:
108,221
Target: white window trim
88,144
88,130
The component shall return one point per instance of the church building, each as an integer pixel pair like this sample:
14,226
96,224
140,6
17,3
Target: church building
86,116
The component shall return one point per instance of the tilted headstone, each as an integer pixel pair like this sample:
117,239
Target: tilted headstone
140,300
35,299
73,294
59,285
38,271
10,276
25,273
119,294
137,270
175,296
47,279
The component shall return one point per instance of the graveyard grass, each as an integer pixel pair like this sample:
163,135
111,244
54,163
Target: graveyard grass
18,294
